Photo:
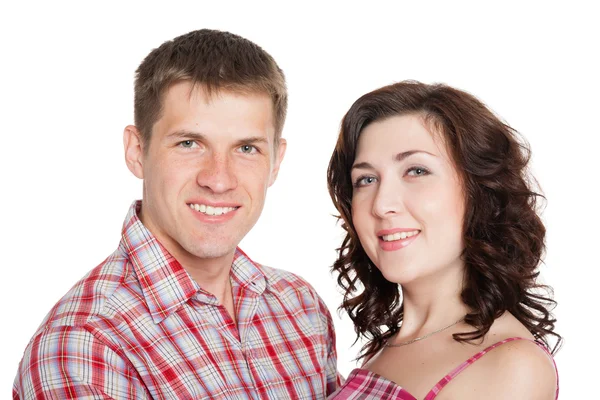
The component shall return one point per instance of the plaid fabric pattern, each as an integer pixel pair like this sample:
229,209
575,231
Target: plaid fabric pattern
362,384
138,327
366,385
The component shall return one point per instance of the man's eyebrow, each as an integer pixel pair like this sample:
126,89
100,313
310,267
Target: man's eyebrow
185,134
398,157
191,135
253,140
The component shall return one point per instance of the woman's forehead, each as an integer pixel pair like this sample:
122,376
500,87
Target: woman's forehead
400,134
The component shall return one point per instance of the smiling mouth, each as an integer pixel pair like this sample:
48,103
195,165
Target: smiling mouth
210,210
399,236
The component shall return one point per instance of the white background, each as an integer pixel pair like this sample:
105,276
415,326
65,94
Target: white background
66,92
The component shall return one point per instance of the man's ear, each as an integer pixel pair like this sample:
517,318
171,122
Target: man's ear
279,153
134,151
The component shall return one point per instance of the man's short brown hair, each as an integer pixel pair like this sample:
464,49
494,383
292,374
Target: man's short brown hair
215,60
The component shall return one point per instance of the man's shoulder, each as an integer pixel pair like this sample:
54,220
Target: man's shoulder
282,280
89,296
299,297
289,286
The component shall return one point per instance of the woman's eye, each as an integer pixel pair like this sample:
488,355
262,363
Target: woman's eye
248,149
417,171
364,181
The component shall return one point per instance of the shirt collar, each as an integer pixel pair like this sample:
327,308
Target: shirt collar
165,284
247,274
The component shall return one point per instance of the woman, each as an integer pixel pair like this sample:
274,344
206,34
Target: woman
439,263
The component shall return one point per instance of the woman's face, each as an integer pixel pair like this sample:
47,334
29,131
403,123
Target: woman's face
407,202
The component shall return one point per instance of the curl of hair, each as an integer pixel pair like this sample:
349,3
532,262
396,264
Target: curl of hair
504,237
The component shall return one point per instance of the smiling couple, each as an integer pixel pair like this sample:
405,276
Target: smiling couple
439,262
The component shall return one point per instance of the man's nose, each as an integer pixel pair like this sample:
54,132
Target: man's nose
217,173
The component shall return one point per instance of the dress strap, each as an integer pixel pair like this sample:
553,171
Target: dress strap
446,379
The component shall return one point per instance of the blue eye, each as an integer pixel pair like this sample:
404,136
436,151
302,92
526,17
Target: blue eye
364,181
417,171
187,144
248,149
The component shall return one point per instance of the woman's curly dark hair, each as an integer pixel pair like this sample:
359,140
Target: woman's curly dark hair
503,234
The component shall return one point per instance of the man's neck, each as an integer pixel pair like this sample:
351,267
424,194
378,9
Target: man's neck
210,273
213,276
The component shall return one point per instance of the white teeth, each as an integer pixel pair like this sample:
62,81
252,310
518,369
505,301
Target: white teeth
210,210
399,236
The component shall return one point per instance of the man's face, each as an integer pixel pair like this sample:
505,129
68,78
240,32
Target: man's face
206,170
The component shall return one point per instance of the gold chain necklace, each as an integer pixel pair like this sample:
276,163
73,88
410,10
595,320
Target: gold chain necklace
423,337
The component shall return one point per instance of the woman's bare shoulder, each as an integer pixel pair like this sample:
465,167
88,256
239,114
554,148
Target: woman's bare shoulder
520,369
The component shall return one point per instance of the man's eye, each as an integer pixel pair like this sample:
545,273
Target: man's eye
248,149
188,144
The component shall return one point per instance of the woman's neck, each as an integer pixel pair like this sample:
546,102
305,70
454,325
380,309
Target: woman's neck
431,303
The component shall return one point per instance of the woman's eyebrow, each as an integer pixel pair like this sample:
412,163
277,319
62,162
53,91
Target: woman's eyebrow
398,157
406,154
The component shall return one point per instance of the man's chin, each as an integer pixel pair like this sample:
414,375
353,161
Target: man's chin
207,251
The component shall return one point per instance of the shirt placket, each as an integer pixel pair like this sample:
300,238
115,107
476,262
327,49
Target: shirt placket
234,335
246,305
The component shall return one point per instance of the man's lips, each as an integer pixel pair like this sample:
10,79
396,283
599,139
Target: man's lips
213,209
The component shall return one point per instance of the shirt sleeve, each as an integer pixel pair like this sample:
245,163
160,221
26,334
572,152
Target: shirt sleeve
72,363
334,379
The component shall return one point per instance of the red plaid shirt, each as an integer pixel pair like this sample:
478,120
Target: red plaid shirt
138,327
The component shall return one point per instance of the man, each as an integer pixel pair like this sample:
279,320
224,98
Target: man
178,311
